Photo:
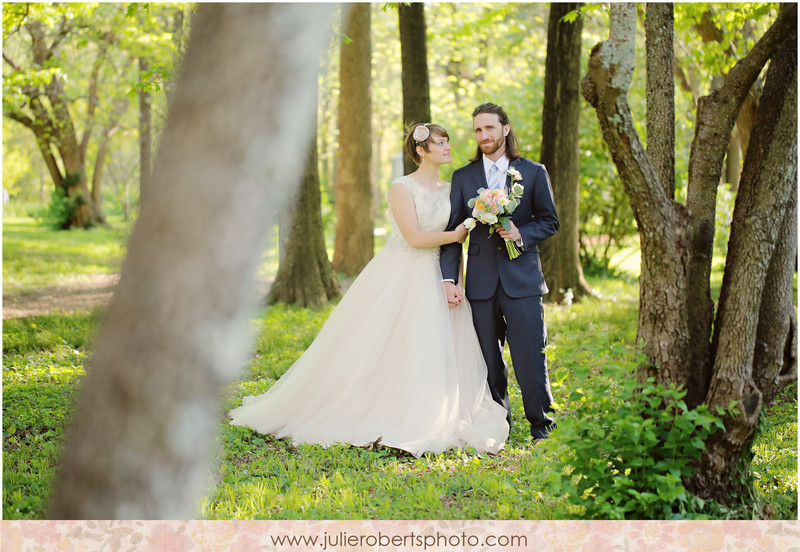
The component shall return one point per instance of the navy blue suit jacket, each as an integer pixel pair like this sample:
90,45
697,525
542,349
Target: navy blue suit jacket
488,260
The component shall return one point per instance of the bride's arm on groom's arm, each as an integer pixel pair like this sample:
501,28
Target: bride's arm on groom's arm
401,202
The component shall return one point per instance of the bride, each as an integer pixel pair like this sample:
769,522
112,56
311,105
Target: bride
393,363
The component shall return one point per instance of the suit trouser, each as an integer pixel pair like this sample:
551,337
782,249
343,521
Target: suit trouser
521,321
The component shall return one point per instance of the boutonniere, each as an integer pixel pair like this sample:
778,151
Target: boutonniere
516,177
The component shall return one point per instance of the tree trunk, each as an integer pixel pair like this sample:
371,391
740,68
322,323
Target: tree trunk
103,147
676,242
176,329
765,192
414,75
659,31
54,128
145,134
662,328
354,224
305,276
561,152
733,160
716,116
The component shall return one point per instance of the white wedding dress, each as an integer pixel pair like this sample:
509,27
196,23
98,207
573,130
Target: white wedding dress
393,363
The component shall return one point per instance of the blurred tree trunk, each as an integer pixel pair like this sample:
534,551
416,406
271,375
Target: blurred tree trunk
354,209
176,329
103,147
677,240
305,276
561,152
414,59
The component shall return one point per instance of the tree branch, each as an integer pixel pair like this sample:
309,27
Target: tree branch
14,115
13,65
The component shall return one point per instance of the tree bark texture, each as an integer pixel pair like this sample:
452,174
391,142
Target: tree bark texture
662,327
765,194
305,276
716,115
414,73
675,241
175,331
660,30
354,223
561,152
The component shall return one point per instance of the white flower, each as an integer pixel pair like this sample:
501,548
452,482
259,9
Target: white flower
470,223
514,174
489,218
421,133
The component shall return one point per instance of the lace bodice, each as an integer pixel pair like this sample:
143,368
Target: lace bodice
433,213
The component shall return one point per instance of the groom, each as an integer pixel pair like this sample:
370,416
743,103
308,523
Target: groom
505,294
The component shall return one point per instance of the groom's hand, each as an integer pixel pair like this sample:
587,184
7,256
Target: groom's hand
512,234
454,294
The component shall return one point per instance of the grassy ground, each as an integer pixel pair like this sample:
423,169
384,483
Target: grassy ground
258,477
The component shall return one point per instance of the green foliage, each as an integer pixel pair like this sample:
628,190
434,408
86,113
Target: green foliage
42,367
627,448
774,466
59,210
258,477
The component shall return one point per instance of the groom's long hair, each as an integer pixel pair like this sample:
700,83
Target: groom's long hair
512,144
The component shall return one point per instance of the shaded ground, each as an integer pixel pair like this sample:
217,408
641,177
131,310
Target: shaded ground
95,291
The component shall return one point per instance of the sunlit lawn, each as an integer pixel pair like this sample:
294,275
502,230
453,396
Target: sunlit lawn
36,257
254,476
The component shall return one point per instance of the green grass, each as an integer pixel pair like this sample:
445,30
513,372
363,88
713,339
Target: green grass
36,257
254,476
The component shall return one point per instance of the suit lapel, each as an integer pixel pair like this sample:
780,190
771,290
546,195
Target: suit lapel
478,176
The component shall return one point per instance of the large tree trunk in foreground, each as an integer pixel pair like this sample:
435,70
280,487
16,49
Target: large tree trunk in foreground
176,329
414,59
561,154
305,276
677,243
354,209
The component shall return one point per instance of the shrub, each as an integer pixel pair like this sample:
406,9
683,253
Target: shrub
626,450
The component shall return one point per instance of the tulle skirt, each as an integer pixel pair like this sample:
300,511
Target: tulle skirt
393,364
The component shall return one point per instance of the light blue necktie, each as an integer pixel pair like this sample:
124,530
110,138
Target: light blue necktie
495,178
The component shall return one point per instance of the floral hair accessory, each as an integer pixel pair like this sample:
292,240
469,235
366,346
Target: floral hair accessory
421,133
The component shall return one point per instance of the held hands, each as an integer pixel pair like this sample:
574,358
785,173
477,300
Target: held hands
461,233
454,294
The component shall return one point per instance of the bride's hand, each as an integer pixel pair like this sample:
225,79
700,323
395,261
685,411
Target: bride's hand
461,233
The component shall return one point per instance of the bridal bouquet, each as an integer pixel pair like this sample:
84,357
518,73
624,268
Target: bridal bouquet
494,207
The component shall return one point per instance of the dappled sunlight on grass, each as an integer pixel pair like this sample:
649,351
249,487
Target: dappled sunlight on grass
36,257
255,476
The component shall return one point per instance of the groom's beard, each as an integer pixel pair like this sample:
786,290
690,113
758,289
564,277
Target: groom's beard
493,146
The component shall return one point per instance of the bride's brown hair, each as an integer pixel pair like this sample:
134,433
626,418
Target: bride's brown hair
411,144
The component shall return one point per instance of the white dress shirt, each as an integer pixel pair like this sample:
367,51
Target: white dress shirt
501,163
